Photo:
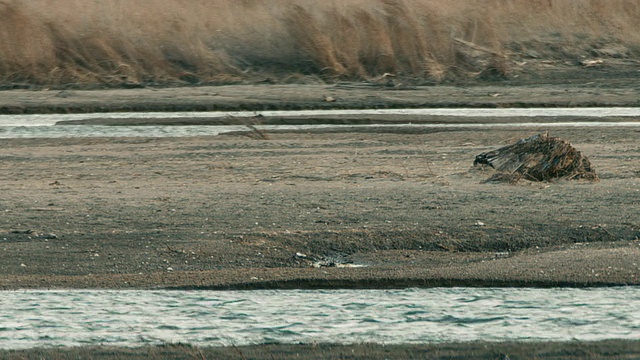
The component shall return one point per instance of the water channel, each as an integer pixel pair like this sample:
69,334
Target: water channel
209,318
42,125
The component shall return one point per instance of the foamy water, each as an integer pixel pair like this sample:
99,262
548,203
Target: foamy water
42,126
51,119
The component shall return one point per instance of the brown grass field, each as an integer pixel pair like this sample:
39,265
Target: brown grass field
171,42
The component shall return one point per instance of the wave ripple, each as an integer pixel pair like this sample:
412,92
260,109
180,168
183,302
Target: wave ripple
134,318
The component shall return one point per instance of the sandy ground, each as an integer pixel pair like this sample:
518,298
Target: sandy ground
237,212
366,209
330,96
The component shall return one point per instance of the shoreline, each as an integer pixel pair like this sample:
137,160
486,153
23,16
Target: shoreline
461,270
618,93
607,349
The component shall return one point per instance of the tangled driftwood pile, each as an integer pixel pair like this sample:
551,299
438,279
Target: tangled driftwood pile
538,158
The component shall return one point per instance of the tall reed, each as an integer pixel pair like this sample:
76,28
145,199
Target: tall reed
214,41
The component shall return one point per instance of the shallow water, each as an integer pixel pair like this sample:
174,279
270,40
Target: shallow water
51,119
206,318
10,132
41,125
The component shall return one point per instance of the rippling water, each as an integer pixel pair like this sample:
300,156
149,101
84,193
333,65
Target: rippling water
206,318
51,119
41,125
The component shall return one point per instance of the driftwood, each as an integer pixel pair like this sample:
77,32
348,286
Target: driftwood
538,158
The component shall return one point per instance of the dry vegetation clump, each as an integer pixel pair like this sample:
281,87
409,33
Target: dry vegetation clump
537,158
119,42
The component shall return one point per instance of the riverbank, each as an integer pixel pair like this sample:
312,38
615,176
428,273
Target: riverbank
617,88
610,349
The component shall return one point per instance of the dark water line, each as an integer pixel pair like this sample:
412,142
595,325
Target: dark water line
393,284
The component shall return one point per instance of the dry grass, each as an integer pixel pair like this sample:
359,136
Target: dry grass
170,41
537,158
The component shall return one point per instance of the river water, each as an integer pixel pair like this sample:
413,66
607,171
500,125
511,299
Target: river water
210,318
41,125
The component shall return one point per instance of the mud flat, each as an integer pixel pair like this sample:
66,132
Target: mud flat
300,209
333,96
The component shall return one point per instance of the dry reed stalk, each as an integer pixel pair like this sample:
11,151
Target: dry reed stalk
171,41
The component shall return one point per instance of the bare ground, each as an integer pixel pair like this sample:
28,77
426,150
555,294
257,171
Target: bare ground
237,212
